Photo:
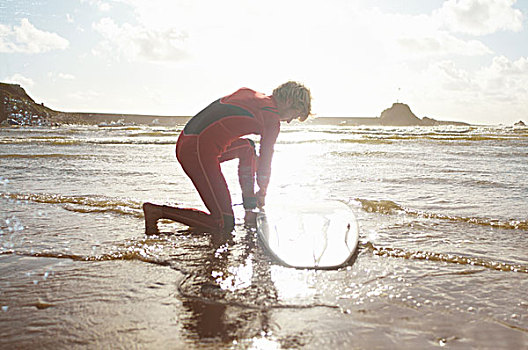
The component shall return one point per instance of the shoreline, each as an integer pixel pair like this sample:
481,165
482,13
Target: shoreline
18,108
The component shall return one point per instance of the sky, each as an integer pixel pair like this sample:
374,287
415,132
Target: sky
460,60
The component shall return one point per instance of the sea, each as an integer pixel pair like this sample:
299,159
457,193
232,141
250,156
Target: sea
442,259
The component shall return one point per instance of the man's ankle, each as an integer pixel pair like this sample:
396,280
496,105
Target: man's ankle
151,219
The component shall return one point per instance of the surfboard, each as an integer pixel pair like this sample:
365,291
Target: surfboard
322,235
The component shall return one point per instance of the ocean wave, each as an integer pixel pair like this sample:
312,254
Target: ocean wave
370,154
83,204
40,141
133,142
291,135
444,257
36,156
156,134
330,141
449,181
389,208
68,142
141,252
127,254
99,204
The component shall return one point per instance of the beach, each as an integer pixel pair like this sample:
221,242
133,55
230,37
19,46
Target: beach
442,259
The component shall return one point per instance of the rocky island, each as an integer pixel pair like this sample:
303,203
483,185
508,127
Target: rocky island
399,114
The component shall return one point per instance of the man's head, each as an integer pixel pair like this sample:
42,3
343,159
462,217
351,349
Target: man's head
293,101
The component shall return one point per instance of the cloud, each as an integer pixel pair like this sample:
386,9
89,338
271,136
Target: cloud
504,89
452,78
506,79
480,17
19,79
403,37
28,39
137,43
443,43
302,32
502,83
84,95
102,6
64,76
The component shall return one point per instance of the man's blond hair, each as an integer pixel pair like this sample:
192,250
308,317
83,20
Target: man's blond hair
298,95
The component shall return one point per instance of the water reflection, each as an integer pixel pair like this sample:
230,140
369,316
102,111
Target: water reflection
230,294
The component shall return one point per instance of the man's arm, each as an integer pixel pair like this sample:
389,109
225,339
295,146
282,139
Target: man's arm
267,144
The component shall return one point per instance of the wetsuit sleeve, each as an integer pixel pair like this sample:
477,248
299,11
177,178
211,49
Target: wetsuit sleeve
267,144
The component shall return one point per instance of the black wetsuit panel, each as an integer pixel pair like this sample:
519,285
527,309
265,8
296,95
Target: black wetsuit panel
211,114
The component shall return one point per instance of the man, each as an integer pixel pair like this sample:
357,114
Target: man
213,136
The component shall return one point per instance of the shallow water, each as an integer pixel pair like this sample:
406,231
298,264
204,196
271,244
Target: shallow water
443,243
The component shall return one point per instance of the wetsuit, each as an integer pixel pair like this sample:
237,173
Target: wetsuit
213,136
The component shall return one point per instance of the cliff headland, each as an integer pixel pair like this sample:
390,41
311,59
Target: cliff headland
18,108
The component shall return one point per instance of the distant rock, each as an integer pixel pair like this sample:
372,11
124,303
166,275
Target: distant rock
399,115
520,123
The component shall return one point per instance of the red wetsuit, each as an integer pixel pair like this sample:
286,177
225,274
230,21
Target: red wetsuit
214,136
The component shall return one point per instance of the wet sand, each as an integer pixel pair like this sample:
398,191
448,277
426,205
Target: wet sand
60,303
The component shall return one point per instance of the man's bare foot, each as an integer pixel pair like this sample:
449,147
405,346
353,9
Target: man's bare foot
250,218
152,213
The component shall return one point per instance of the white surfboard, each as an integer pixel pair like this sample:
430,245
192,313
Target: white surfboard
322,235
